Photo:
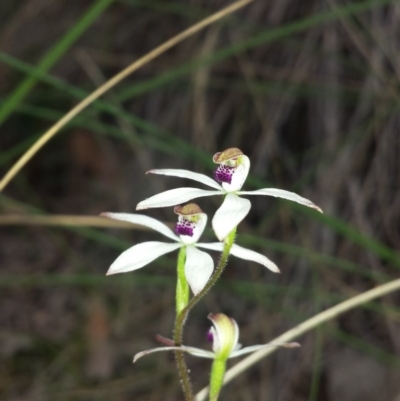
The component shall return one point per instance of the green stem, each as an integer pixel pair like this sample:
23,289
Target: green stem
217,378
182,316
182,286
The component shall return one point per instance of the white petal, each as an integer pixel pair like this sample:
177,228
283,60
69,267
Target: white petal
152,350
242,253
239,176
214,246
188,174
253,348
198,268
232,211
248,254
248,350
140,255
202,353
143,221
280,193
174,197
191,350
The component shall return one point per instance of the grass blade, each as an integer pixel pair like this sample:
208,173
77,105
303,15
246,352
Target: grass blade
52,56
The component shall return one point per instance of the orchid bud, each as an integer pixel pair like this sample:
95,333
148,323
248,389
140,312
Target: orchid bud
225,335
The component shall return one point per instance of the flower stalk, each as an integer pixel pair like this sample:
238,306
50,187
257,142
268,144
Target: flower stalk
183,315
217,377
182,286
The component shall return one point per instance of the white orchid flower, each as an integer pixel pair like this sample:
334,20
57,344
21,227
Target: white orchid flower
191,223
224,335
229,176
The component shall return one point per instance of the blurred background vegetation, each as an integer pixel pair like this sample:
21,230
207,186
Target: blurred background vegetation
309,90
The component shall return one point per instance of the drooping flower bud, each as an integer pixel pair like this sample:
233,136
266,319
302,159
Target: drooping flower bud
225,335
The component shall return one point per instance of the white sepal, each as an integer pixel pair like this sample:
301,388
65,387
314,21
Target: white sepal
254,348
248,254
232,211
214,246
191,350
199,267
188,174
140,255
280,193
242,253
174,197
143,221
248,350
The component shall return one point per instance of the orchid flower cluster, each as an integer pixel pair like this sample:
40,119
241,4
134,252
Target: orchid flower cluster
195,268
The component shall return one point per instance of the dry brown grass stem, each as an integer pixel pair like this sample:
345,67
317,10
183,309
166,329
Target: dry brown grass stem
67,221
50,133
